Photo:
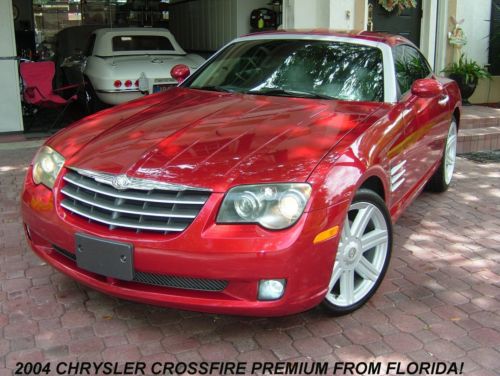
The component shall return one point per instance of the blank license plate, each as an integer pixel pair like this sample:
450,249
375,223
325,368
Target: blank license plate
105,257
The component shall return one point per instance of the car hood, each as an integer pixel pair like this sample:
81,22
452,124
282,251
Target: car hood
152,65
210,139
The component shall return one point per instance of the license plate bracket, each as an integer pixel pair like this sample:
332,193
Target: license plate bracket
105,257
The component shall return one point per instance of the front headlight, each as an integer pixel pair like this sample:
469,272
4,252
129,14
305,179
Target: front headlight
46,166
273,206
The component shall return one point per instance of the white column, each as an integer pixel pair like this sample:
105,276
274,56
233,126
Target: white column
342,14
428,29
11,119
306,14
441,37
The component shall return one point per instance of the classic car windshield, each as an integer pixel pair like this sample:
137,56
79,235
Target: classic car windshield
296,68
129,43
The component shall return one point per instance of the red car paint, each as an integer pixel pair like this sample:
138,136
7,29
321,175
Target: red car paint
221,140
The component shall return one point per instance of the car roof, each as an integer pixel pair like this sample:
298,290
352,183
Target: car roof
385,38
103,44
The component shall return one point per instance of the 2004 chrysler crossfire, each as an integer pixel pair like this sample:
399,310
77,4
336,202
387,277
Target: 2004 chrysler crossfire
266,183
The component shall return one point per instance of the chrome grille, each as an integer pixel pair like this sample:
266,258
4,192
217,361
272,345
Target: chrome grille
144,206
163,280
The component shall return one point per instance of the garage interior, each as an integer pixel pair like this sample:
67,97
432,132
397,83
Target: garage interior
59,30
200,25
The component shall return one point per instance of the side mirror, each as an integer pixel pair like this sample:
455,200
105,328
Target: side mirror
427,88
180,72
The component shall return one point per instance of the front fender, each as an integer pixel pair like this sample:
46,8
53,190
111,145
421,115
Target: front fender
341,177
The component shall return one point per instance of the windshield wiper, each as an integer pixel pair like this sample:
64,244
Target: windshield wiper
291,93
215,88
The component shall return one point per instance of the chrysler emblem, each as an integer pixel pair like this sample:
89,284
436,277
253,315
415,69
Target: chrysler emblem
120,182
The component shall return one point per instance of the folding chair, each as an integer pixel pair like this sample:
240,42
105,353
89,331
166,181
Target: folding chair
38,92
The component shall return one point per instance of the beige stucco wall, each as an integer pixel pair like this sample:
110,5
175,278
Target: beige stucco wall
487,91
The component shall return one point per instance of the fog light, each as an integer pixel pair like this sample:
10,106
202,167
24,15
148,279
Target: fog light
271,289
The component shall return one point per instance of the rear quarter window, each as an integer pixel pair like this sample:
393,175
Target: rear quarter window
411,65
124,43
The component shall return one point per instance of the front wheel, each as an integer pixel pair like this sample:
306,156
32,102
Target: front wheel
362,256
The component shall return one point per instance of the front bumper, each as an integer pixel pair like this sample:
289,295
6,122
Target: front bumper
239,254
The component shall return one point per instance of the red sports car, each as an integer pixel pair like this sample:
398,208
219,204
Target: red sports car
264,184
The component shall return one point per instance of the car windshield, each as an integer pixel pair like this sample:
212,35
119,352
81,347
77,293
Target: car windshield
129,43
296,68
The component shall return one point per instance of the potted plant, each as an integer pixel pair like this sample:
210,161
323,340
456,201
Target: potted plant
466,72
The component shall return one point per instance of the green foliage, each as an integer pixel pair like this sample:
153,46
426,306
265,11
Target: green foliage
468,69
400,5
408,70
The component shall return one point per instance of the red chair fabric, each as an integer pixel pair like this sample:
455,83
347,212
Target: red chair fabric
37,80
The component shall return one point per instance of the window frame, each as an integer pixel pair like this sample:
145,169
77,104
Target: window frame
89,49
145,36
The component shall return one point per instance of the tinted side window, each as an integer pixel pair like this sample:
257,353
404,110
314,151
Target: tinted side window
410,66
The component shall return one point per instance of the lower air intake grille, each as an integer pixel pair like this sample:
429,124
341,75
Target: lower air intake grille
161,280
180,282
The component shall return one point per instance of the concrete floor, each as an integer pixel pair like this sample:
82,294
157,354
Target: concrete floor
439,302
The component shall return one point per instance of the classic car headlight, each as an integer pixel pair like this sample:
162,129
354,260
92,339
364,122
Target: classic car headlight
273,206
46,166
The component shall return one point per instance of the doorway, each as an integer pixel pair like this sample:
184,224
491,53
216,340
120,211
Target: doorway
407,23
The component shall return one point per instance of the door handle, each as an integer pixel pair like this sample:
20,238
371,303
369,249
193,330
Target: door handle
443,100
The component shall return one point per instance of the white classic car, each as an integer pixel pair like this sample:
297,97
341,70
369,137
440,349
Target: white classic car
125,63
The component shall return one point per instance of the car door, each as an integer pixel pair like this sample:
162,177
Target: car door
423,117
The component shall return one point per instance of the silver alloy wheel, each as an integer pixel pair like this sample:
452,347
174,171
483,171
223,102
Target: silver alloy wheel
450,152
360,256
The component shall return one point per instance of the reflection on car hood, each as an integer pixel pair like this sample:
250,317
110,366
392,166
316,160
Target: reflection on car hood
210,139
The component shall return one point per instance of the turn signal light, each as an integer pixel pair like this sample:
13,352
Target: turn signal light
326,235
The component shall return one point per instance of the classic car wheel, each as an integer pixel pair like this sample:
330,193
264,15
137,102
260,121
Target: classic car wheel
441,179
94,104
363,254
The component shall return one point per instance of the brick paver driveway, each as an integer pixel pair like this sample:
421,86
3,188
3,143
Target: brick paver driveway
439,302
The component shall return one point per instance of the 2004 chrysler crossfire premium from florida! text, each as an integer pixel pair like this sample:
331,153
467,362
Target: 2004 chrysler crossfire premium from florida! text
265,184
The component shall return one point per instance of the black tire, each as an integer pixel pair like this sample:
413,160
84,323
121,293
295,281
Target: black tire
380,256
91,100
439,182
